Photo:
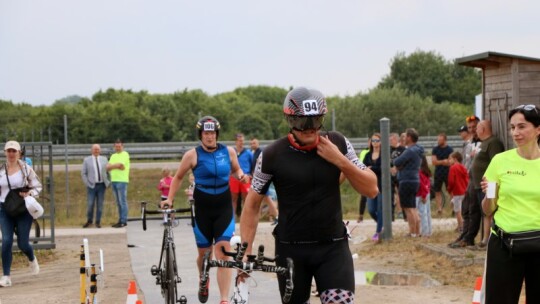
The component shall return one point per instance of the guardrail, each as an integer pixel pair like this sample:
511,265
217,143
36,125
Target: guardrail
175,150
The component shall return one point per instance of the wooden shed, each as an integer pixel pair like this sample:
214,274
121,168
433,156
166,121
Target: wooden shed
507,81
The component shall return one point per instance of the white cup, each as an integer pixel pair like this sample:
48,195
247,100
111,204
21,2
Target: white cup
490,192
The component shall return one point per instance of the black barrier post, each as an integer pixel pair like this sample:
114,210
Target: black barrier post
386,192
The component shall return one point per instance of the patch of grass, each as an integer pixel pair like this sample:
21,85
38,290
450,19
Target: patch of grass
44,256
71,206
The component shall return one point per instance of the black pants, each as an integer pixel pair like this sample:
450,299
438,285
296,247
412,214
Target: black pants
505,274
362,205
472,217
465,215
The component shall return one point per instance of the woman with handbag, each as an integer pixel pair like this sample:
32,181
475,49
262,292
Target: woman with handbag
513,253
17,180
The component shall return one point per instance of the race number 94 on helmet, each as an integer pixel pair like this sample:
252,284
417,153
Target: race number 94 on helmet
304,109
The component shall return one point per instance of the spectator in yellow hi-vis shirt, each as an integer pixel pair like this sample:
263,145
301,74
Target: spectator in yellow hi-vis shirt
119,169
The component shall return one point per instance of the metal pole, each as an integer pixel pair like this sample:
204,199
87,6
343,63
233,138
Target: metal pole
67,164
333,119
385,173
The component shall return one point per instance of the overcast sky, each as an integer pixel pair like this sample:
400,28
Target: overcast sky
56,48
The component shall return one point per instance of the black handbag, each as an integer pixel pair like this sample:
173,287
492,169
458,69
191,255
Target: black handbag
14,204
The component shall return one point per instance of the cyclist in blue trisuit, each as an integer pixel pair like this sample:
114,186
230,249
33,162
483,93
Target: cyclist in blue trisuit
212,163
306,167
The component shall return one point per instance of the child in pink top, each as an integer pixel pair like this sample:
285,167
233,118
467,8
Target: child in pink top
190,188
458,180
165,183
423,202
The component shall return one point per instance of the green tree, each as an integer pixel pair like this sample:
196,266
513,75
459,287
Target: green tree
253,125
262,102
359,116
254,111
266,94
51,119
16,120
429,74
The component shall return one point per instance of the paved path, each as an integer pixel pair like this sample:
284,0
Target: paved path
144,250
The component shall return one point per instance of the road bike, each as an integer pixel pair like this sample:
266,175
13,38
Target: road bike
253,263
166,271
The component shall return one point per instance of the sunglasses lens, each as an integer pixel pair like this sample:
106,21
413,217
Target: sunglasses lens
528,107
305,122
470,118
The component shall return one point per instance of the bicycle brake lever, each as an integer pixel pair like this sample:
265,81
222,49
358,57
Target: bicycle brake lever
241,252
143,215
260,255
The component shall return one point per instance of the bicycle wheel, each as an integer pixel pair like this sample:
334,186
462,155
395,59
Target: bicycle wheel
203,283
170,276
37,230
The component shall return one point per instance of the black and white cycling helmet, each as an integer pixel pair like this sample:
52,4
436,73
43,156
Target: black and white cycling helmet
304,109
208,123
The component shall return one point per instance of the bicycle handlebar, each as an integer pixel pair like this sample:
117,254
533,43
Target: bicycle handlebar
168,211
253,263
239,255
248,266
165,210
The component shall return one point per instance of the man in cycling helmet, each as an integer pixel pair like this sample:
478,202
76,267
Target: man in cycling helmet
211,163
306,167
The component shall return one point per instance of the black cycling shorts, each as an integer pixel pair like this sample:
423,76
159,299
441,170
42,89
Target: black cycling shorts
329,263
214,218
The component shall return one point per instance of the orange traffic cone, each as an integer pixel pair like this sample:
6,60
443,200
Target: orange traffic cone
138,302
132,293
477,291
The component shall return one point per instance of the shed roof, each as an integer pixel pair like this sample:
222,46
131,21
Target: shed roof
493,59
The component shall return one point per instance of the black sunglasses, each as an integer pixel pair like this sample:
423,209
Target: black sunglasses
301,123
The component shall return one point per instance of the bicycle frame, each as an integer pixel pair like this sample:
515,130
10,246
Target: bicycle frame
253,263
166,272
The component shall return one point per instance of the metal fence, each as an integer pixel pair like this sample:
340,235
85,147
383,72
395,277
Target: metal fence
175,150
